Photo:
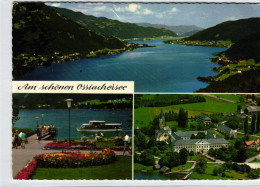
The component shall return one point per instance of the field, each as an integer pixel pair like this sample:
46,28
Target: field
144,115
231,97
120,169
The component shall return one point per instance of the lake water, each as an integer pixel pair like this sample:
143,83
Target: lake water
164,68
59,118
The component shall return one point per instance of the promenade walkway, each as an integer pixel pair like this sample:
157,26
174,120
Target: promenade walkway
21,157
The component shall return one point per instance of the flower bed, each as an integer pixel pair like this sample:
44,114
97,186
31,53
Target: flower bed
66,159
27,171
74,145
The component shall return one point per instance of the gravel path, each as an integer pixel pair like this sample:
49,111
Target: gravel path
22,156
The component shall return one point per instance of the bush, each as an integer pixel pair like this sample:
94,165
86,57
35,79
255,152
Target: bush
183,155
155,151
137,158
171,159
119,142
147,158
215,172
254,174
191,153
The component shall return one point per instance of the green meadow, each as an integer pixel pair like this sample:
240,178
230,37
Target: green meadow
144,115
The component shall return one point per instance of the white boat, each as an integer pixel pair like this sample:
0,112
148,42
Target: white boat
100,126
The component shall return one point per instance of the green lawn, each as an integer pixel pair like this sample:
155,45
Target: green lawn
144,115
232,141
231,174
120,169
256,160
231,97
183,167
139,167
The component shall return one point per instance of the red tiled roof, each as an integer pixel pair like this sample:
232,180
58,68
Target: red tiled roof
257,142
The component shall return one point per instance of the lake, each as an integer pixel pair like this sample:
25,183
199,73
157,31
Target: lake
59,118
164,68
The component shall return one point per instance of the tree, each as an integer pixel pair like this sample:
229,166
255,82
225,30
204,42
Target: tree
253,124
147,158
241,155
182,118
152,141
201,135
170,160
183,156
140,141
238,143
232,123
201,164
246,125
258,122
239,108
215,171
193,136
155,151
15,107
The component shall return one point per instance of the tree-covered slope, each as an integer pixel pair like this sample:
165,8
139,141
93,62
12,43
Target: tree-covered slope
247,48
39,29
230,30
180,30
115,28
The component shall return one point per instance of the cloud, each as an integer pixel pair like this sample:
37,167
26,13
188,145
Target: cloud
174,10
100,8
147,11
133,7
232,18
129,8
55,4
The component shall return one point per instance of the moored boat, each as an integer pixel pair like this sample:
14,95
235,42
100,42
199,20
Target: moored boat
100,126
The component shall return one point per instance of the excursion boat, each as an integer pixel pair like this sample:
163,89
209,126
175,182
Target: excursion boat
100,126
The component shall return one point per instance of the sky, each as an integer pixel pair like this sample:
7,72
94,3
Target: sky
201,15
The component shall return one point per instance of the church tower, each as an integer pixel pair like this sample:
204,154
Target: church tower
161,120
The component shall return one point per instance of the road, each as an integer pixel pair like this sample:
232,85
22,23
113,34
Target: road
22,156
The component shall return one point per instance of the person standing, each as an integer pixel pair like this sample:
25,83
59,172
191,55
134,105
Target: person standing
23,140
16,138
126,144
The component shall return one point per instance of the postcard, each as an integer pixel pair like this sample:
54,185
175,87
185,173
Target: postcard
133,93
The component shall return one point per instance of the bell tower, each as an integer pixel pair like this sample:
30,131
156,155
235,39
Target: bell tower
161,120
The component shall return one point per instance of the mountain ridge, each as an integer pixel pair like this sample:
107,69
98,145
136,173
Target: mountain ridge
109,27
180,30
229,30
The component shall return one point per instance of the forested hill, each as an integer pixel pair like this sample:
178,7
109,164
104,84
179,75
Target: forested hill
230,30
39,29
247,48
180,30
57,101
109,27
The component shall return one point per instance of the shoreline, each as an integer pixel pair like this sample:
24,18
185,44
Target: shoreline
25,63
224,44
80,109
